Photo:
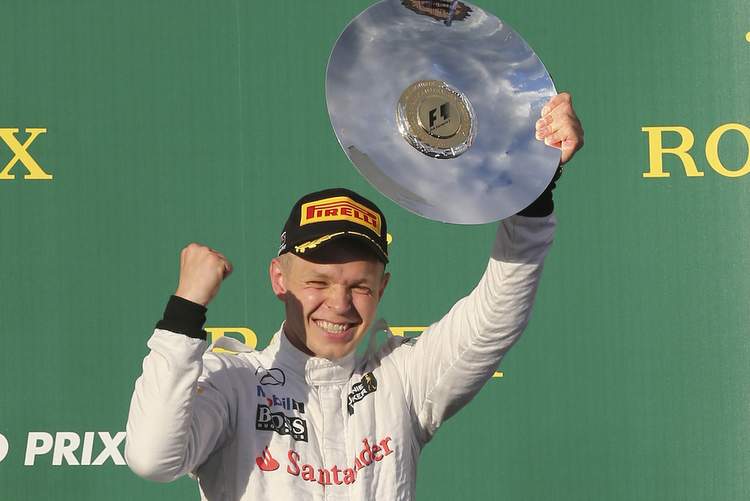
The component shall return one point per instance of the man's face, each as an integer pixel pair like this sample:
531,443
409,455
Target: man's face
330,297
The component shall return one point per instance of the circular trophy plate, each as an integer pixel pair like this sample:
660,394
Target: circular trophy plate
439,115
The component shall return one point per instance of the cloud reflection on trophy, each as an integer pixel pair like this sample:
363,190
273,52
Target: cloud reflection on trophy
392,46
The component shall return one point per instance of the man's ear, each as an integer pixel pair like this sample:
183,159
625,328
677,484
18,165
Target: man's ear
278,280
383,284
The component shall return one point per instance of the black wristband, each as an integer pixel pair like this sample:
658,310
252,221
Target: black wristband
543,205
184,317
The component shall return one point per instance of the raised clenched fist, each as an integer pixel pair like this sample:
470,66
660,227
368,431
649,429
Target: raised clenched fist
201,271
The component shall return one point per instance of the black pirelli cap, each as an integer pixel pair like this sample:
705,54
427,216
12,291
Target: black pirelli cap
326,216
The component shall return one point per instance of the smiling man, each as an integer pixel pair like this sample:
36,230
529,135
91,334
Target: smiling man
330,272
306,418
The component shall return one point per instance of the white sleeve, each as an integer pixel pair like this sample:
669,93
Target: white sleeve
178,414
453,358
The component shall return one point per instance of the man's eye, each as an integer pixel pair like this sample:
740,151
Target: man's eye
362,290
316,284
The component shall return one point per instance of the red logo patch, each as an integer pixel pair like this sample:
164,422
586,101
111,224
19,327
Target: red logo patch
266,462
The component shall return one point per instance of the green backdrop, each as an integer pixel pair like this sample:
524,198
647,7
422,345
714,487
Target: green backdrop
177,121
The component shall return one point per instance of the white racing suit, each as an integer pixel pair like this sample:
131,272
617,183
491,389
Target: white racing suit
278,424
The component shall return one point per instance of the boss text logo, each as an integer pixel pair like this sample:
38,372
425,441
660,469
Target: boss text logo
265,420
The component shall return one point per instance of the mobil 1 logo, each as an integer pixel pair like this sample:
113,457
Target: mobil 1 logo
267,420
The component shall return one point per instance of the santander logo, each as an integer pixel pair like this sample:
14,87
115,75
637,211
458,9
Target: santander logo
336,474
266,462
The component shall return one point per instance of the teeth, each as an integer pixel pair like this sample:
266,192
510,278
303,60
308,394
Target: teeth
331,327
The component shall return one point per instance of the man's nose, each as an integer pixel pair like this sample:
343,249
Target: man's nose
339,299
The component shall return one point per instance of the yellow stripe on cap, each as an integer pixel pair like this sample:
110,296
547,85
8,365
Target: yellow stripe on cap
301,248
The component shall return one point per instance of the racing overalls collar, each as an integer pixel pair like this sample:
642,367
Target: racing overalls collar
316,371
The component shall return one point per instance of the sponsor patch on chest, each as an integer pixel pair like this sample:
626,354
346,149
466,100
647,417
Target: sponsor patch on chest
369,454
368,384
284,402
267,420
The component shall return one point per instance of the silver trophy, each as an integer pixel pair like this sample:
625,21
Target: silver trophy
435,103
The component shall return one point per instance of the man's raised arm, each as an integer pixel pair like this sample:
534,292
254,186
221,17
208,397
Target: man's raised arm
178,414
456,356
